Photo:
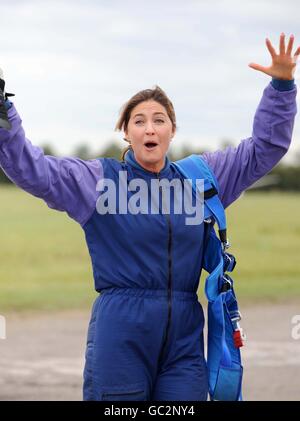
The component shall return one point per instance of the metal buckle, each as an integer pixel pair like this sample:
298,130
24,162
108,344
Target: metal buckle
226,245
227,284
236,316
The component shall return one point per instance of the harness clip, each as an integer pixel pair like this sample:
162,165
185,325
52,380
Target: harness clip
239,337
227,284
225,245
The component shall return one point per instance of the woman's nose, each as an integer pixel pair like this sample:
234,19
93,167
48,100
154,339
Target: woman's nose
149,128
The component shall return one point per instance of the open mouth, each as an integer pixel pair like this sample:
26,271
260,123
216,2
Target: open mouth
150,145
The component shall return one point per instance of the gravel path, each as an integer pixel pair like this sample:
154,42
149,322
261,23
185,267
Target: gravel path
42,356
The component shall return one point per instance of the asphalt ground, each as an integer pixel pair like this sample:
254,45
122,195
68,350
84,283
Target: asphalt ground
42,356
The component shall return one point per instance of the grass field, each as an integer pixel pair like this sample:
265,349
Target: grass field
45,265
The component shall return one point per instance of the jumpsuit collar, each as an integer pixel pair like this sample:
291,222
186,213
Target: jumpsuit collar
130,159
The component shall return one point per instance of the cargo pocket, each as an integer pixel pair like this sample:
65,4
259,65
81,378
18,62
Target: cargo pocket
129,392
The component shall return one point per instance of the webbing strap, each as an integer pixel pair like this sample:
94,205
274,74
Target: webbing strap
193,168
224,361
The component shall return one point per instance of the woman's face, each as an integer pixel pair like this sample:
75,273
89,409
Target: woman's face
150,131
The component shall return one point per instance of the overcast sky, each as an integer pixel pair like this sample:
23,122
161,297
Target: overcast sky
72,64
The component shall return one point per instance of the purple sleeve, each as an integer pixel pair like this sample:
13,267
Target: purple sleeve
65,184
238,168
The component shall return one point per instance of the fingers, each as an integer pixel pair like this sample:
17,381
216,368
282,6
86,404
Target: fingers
290,45
256,66
282,44
270,47
297,52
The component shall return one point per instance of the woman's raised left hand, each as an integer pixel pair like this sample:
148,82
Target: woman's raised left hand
283,64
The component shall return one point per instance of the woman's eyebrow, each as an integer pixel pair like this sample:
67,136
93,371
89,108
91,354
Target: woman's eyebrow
141,114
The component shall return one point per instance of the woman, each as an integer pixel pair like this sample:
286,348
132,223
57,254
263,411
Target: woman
145,338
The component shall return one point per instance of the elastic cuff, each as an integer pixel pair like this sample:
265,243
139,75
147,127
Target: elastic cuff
283,85
8,104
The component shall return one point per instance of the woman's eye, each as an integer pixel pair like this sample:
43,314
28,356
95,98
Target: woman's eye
157,120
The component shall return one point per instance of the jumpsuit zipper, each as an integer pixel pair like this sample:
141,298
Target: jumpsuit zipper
169,283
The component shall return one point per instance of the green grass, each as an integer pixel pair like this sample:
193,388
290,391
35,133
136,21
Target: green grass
45,264
264,229
44,261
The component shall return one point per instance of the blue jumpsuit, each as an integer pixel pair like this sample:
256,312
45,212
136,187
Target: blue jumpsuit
145,337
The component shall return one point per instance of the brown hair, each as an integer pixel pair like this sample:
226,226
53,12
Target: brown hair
155,94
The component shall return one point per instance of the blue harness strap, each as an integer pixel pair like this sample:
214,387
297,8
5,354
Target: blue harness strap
223,341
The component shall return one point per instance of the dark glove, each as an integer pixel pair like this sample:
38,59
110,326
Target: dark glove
4,121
